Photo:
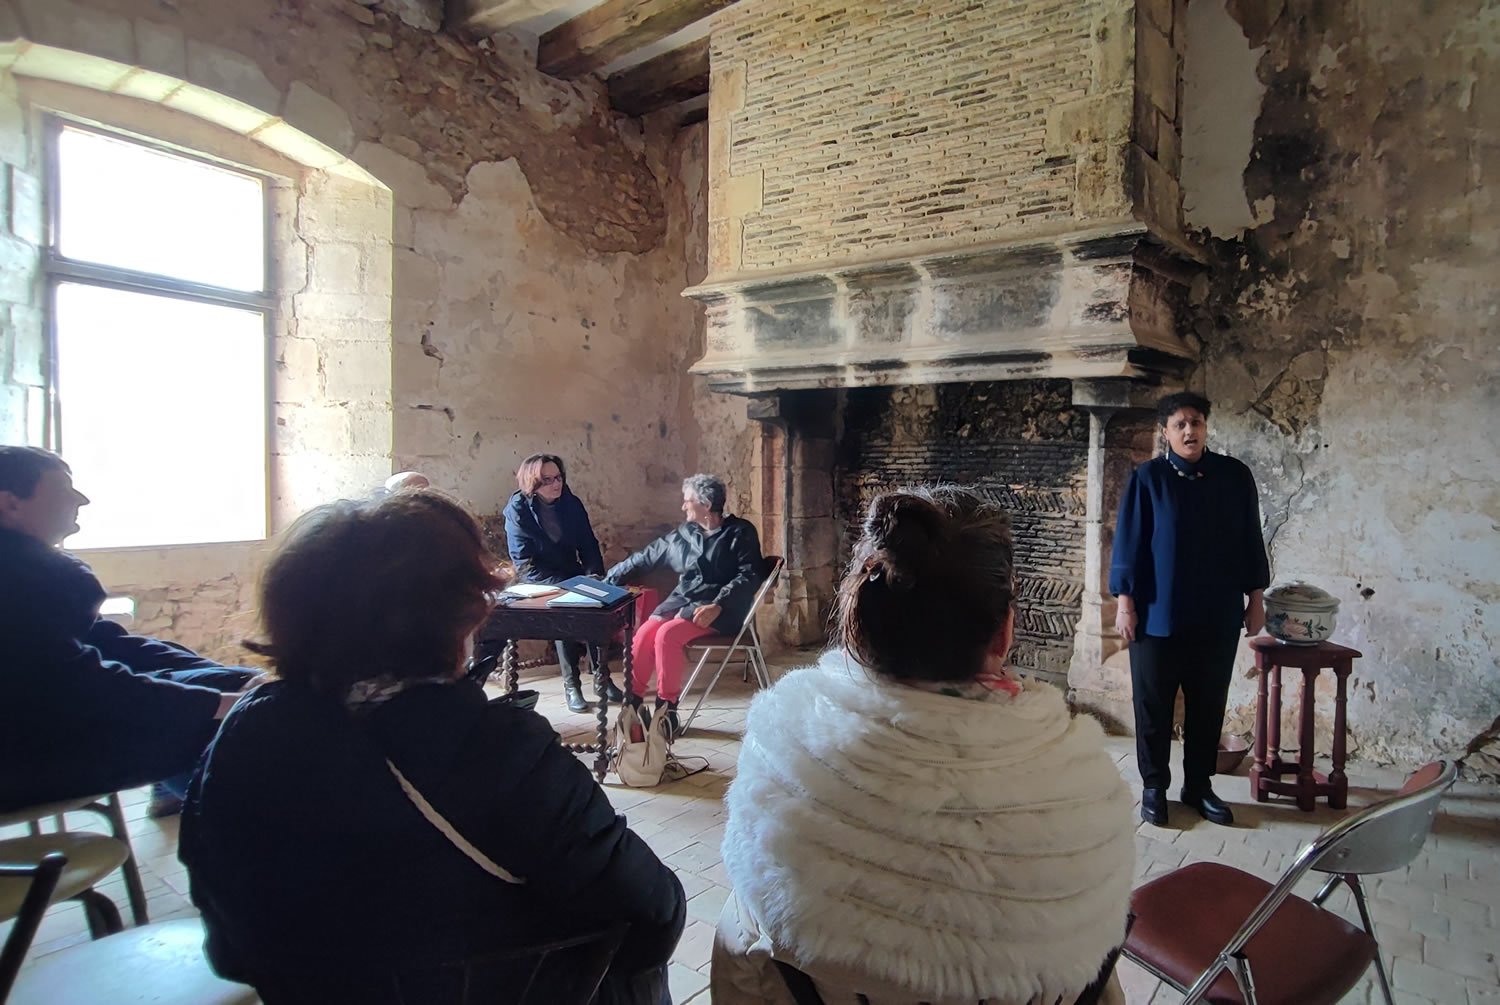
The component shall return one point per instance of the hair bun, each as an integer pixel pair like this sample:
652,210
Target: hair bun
905,530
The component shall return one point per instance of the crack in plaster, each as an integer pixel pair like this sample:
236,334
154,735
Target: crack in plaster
1291,499
428,349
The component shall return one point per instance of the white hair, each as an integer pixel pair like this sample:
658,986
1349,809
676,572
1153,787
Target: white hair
706,490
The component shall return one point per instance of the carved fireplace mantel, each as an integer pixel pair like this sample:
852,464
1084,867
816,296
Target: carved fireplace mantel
1100,305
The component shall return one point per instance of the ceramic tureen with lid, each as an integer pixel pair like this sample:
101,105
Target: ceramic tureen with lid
1300,613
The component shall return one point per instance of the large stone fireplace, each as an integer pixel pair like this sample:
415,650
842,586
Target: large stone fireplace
945,243
1022,443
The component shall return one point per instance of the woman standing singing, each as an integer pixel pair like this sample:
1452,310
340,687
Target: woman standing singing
1188,570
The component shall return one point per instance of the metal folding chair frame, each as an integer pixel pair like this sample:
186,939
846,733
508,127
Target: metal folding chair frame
1386,851
754,656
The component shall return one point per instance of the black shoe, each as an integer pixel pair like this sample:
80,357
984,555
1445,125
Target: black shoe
163,803
1210,806
612,693
673,727
642,713
575,699
1154,807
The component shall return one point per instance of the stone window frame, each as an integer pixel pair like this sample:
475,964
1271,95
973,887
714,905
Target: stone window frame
57,269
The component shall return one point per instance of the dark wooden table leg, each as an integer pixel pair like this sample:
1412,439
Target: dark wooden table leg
1338,796
627,657
512,667
1259,768
1273,722
1306,784
600,661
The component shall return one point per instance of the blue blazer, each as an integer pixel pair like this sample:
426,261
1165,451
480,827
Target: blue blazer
538,558
1189,550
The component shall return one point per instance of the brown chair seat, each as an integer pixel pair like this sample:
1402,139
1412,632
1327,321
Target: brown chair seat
162,964
1303,955
91,857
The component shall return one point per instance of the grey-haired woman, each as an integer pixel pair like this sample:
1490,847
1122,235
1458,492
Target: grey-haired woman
718,563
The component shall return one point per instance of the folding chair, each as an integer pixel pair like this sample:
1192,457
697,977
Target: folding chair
1221,935
805,992
753,655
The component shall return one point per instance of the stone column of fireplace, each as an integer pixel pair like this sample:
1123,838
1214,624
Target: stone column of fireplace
794,497
1121,435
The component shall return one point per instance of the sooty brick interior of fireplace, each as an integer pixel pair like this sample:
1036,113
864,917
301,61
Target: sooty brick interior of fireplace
1020,442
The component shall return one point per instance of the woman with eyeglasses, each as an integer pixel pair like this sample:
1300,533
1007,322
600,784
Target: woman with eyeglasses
550,539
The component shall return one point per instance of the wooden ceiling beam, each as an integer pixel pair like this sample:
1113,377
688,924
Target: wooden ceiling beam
485,17
615,28
662,81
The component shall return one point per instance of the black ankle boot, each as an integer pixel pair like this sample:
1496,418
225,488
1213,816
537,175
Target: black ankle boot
1209,806
574,694
612,693
673,727
1154,806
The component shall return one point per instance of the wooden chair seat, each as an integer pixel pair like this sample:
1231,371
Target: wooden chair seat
1303,956
29,813
91,857
162,964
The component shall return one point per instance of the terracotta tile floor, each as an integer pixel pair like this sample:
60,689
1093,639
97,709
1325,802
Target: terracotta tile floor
1438,921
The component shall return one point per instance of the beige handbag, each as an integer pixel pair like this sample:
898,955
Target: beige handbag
641,762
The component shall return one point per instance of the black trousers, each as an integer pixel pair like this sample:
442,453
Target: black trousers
1201,665
570,655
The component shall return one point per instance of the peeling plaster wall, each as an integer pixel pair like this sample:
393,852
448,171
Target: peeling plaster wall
540,243
1352,336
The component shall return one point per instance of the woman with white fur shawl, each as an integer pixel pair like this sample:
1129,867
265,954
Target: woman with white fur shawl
909,821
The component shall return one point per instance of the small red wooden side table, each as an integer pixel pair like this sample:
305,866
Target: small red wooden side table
1265,776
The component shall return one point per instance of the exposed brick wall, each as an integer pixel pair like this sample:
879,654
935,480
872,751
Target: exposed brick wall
1023,443
855,129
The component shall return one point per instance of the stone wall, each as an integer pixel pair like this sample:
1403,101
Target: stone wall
330,383
1352,333
23,340
846,130
539,246
1021,442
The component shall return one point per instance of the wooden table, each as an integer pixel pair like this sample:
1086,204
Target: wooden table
1265,776
532,619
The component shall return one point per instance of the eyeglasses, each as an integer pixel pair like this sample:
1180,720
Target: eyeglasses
552,480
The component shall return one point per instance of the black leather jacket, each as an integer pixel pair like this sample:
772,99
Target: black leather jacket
724,568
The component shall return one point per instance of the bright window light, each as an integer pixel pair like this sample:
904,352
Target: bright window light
158,276
132,206
163,411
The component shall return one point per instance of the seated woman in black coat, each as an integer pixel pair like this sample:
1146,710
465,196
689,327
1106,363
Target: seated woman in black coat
549,537
314,832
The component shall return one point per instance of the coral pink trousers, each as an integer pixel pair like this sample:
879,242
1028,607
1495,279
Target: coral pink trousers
657,648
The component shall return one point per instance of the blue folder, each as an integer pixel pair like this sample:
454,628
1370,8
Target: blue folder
585,591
